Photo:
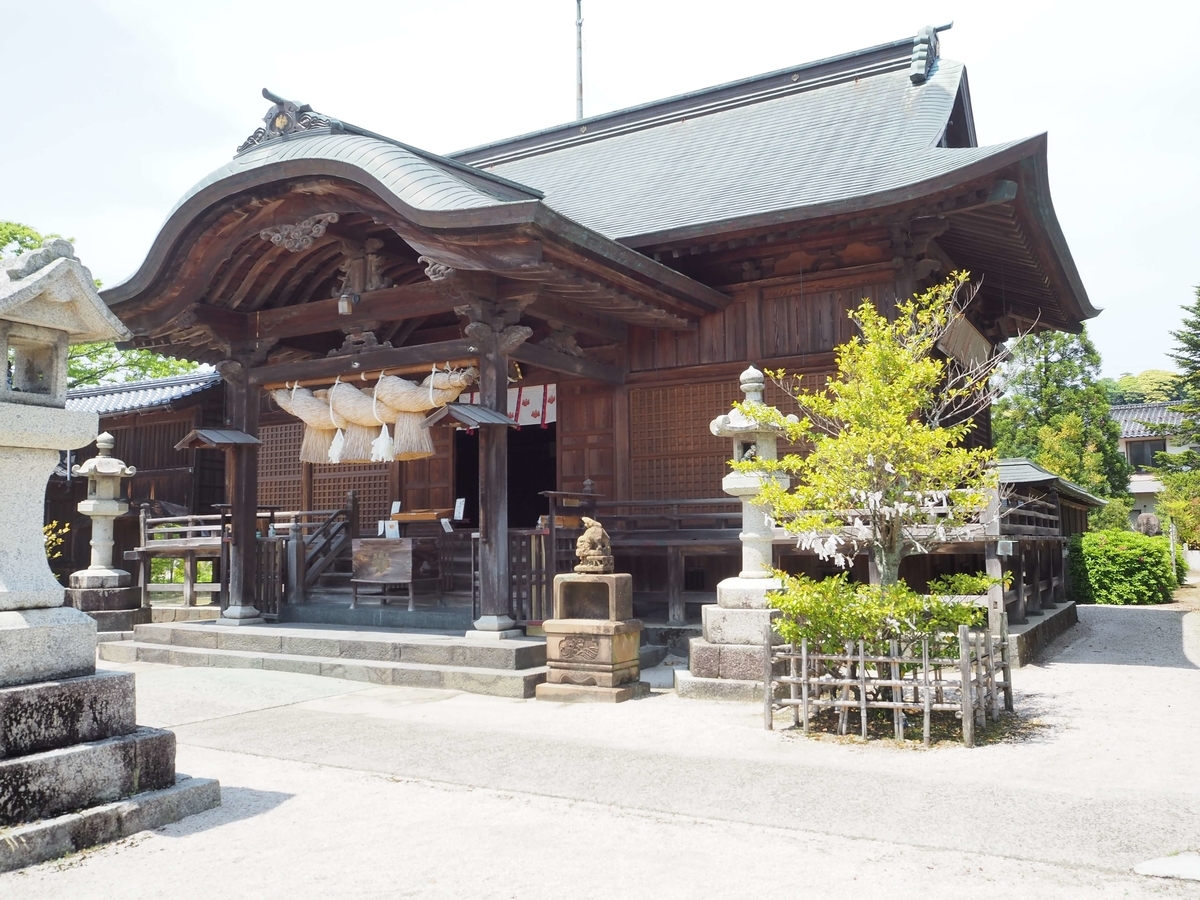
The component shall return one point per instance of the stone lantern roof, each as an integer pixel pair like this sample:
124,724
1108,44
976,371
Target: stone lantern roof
49,288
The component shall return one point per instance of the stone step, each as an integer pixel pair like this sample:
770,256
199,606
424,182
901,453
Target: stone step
35,718
111,620
693,687
30,844
105,636
54,782
184,613
345,643
472,679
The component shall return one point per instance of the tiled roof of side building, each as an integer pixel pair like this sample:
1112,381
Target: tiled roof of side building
1137,419
852,127
134,396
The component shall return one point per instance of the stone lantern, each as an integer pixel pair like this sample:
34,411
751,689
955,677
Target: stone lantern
727,662
102,590
73,746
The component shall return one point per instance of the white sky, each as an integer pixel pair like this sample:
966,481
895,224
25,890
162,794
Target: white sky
114,108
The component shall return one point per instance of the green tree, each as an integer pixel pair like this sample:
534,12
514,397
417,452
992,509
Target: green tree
886,437
96,363
1049,377
1150,386
1187,357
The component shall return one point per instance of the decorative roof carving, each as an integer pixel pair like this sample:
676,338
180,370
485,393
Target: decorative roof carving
434,269
925,53
287,118
301,235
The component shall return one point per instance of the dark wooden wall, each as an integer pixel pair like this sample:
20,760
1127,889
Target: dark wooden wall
647,439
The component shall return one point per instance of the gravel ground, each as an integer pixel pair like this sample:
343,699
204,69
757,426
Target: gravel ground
338,789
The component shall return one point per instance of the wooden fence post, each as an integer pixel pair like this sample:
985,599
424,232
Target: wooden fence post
964,673
768,712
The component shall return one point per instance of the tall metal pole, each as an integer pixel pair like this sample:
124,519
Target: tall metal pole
578,59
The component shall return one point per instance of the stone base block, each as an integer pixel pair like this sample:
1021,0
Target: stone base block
507,634
736,626
48,784
94,599
746,593
45,645
591,652
692,687
28,845
254,620
98,580
742,662
110,620
35,718
607,597
578,693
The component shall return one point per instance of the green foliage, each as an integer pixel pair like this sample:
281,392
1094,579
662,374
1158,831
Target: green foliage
1150,386
966,585
16,238
1179,502
103,363
1112,517
1187,357
165,570
882,457
100,363
54,535
832,611
1121,568
1056,412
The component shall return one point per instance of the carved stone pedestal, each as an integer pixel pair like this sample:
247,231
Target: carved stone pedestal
592,642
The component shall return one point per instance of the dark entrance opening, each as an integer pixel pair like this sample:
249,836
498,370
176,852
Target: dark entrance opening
532,468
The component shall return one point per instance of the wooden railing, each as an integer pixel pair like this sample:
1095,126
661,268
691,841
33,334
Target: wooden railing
316,539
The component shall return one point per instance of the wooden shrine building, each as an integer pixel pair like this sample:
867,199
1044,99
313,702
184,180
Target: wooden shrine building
627,265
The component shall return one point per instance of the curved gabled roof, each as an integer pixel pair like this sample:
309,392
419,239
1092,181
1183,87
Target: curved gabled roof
419,180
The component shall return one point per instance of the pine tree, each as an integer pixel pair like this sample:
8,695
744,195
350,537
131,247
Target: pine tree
1187,357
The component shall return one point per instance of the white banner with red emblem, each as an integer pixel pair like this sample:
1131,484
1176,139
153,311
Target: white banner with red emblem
533,404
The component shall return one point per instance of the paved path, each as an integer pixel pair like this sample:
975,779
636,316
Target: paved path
336,789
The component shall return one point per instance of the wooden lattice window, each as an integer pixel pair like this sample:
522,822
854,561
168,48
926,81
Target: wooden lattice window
370,480
672,452
279,466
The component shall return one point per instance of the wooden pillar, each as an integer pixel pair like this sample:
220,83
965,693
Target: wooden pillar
494,337
676,611
1035,582
241,491
1018,571
994,568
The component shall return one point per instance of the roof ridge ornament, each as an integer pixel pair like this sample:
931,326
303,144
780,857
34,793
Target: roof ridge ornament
285,119
926,51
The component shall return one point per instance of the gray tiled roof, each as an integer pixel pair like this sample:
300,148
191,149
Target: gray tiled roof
1018,470
1135,418
419,179
776,150
110,399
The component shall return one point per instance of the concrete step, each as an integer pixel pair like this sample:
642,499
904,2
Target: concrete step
473,679
184,613
347,643
105,636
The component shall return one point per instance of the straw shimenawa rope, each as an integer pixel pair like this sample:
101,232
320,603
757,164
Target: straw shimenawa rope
358,415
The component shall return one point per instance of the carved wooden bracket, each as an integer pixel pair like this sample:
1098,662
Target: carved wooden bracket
301,235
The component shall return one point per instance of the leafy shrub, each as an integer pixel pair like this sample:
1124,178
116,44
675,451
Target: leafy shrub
1121,568
832,611
1113,516
965,585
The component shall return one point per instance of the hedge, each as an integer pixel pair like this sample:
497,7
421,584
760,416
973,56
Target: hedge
1121,568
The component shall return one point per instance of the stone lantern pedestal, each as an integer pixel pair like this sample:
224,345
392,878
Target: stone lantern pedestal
75,769
727,662
101,590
